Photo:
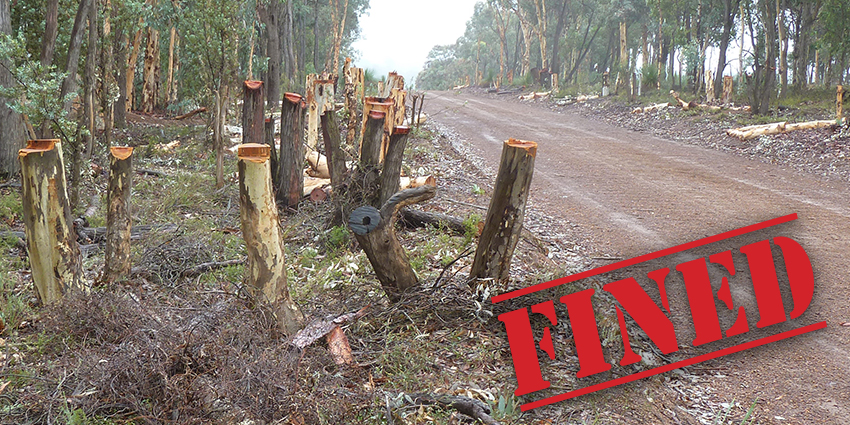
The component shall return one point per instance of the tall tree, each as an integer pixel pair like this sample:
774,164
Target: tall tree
12,135
730,10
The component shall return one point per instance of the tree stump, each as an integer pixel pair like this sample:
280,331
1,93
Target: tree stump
839,105
253,113
265,274
51,242
507,210
290,179
375,232
370,156
728,87
392,164
119,220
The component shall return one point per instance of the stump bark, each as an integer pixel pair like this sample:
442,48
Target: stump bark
52,247
265,274
290,180
503,224
118,214
375,232
253,112
392,164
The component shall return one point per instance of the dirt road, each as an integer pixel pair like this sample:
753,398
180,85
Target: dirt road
633,194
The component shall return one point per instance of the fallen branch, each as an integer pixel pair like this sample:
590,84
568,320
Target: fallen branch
151,173
98,234
208,267
190,114
682,104
416,218
471,407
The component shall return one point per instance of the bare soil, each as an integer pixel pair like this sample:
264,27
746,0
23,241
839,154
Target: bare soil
628,185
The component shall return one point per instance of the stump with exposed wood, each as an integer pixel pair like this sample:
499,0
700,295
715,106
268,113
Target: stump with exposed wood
375,232
119,220
370,156
392,164
728,88
52,247
839,105
354,81
507,210
253,112
320,95
265,274
290,179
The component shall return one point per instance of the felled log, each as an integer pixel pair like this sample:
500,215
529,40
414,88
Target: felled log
753,131
681,103
319,195
54,254
416,218
651,108
119,219
503,226
375,232
535,95
318,165
311,183
265,274
190,114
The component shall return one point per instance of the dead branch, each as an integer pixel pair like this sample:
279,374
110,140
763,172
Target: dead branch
471,407
190,114
320,327
208,267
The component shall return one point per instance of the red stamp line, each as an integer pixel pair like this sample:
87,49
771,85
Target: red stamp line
646,257
673,366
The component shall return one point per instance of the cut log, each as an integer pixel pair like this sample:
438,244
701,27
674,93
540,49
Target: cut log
265,274
312,183
375,232
423,181
753,131
651,108
119,218
682,104
318,165
392,164
290,180
191,114
318,195
416,218
54,254
503,226
535,95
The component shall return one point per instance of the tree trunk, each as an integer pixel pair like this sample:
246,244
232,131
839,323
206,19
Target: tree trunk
507,210
375,232
89,77
316,35
51,243
218,138
783,50
253,116
839,105
119,217
730,8
107,58
132,61
622,73
51,28
333,148
120,107
270,16
69,85
353,78
392,164
265,274
170,87
150,90
290,180
287,40
541,29
13,135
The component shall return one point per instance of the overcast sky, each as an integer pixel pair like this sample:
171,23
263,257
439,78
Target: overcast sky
396,35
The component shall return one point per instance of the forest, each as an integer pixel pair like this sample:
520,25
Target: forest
683,45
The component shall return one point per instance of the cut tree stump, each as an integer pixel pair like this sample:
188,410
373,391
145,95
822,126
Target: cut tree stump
503,226
392,164
728,89
253,113
52,247
370,155
119,218
333,148
375,232
265,275
839,105
290,178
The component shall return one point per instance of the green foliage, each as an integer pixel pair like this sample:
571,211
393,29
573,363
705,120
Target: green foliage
337,239
649,77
